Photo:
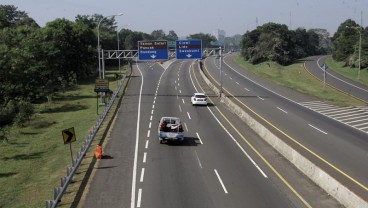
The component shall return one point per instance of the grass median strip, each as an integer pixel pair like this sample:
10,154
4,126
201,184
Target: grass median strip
295,77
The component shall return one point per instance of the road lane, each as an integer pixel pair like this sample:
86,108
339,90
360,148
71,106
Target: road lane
341,146
194,173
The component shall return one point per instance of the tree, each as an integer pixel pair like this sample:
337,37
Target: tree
172,36
274,42
158,35
206,39
10,16
346,44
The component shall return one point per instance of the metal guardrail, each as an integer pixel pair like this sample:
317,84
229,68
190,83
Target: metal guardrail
65,180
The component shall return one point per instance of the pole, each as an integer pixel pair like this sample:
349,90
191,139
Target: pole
117,34
324,75
71,153
220,72
98,41
360,48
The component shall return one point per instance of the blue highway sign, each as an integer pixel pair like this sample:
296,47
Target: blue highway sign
153,50
188,49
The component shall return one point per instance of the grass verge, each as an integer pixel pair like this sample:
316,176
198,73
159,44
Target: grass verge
35,158
351,73
297,78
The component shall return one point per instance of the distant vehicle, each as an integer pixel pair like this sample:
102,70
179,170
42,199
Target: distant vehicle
170,128
198,99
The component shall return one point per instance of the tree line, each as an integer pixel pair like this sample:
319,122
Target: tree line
275,42
37,62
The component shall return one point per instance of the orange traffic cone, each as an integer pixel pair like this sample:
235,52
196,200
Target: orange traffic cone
98,152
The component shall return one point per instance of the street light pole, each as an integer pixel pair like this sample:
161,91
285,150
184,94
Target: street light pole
98,42
360,49
220,72
117,35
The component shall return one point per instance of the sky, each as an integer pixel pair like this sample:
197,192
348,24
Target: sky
207,16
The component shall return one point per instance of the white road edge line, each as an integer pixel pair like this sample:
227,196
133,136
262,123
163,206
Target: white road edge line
222,184
200,140
142,175
317,129
134,178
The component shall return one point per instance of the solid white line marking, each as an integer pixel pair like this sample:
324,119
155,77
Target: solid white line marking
199,161
151,118
148,133
260,98
317,128
231,136
222,184
186,127
144,157
200,140
142,175
189,115
146,144
150,124
132,199
282,110
183,100
139,197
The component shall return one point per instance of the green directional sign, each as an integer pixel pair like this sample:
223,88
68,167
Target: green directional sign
171,43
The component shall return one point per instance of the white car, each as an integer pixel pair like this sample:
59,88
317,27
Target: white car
198,99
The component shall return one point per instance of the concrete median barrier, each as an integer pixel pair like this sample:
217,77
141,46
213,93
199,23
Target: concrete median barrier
315,173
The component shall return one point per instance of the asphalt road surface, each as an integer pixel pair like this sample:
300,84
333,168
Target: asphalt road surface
221,162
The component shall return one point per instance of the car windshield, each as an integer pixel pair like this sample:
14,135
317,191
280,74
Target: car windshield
200,96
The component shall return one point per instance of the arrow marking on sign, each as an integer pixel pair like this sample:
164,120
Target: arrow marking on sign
70,136
189,55
153,56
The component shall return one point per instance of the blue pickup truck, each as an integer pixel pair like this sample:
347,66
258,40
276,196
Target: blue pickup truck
170,128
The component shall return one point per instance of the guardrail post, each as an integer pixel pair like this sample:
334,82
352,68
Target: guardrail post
56,192
49,203
63,180
69,170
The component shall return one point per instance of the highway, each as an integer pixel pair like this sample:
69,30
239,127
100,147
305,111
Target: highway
339,149
348,86
221,163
